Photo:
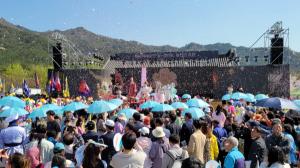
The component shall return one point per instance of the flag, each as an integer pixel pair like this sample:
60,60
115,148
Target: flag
57,84
26,90
52,83
66,92
37,82
1,85
84,89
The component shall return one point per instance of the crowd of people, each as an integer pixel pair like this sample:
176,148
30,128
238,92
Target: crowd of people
232,134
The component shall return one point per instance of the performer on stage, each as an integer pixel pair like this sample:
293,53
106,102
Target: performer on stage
132,89
145,91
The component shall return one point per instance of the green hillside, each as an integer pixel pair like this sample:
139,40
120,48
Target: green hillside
23,51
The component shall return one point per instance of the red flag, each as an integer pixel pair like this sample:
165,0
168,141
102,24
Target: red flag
57,84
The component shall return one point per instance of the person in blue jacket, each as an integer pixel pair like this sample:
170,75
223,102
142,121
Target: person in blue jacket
234,158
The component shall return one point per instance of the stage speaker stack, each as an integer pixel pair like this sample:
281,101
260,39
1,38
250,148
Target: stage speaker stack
276,50
57,57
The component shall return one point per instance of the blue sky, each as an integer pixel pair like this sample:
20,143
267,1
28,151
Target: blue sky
160,22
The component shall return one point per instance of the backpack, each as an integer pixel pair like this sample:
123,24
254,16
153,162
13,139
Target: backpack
177,160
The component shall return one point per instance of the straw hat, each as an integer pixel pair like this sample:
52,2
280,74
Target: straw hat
158,132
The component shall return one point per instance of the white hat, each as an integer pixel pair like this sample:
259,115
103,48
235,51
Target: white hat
12,118
158,132
144,131
96,143
110,123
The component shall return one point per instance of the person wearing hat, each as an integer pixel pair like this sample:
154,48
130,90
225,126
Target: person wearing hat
145,143
90,133
92,153
13,137
108,138
258,149
80,152
277,139
159,146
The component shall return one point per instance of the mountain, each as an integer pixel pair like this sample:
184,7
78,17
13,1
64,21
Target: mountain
26,47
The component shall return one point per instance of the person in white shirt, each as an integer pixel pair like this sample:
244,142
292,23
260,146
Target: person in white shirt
128,157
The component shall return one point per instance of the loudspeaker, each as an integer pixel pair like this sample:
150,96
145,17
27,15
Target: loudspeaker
276,50
57,57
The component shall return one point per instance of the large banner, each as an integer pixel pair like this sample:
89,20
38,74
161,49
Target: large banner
213,81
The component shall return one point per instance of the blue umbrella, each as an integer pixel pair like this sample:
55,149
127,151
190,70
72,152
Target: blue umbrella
13,111
12,101
74,106
42,111
250,98
226,97
101,107
238,96
297,102
128,112
179,105
186,96
148,104
48,107
261,96
196,112
276,103
162,108
117,102
59,111
197,103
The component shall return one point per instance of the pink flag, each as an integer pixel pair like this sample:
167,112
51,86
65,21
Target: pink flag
143,76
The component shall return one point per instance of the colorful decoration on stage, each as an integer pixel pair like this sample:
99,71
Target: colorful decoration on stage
36,81
164,93
84,89
165,76
26,90
145,91
143,76
132,89
66,92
